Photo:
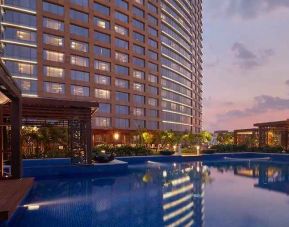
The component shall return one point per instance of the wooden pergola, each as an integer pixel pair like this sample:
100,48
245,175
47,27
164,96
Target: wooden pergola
281,127
9,92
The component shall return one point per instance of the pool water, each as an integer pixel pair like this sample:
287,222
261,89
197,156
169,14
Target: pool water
173,194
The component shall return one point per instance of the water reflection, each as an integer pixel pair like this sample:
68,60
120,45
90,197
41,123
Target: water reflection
155,194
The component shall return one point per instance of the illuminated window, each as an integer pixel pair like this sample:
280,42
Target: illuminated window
102,94
138,112
52,40
80,46
53,24
121,57
138,87
54,88
101,23
80,61
53,72
152,101
53,56
79,90
121,30
101,65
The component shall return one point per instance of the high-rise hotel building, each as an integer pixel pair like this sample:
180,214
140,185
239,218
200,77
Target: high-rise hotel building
139,59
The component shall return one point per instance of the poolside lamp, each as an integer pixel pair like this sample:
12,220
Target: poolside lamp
116,136
198,149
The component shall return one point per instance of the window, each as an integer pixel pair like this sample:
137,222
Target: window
102,37
152,78
139,112
102,51
121,70
121,123
153,90
121,43
80,61
79,75
121,57
139,124
152,8
77,15
54,88
21,69
79,90
152,20
137,12
138,49
153,31
138,37
53,72
26,4
138,74
101,9
138,24
102,94
103,122
153,55
138,87
139,99
121,83
122,109
101,23
122,17
153,43
121,96
104,108
80,46
152,101
19,18
53,56
52,40
138,62
121,3
20,52
17,34
52,8
83,3
101,65
153,67
121,30
151,125
76,30
101,79
152,113
27,86
53,24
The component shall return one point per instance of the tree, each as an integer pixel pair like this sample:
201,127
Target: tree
205,137
147,137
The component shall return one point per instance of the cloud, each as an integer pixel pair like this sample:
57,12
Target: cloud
262,104
248,9
287,82
247,59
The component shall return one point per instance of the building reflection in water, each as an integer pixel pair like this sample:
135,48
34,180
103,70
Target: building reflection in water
183,194
270,176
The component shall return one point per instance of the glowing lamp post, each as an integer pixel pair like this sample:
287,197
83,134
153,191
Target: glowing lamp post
116,137
198,149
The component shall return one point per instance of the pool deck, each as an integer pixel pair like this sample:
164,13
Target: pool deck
11,194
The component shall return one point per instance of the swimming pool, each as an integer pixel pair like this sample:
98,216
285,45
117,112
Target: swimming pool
226,193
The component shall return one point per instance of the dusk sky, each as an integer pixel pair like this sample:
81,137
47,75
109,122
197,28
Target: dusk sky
246,62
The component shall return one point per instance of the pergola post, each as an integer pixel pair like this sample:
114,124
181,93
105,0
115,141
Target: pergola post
16,166
88,136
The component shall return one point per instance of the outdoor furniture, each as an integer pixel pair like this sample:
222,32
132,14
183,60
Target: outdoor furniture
103,157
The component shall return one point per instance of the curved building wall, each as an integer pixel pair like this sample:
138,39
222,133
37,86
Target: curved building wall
181,71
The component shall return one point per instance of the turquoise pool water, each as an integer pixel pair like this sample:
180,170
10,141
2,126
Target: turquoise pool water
154,194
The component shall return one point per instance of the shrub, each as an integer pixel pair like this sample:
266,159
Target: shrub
125,150
190,150
166,152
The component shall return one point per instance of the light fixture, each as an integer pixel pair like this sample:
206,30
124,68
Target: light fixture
116,136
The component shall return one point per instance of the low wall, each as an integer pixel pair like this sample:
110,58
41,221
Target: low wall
64,167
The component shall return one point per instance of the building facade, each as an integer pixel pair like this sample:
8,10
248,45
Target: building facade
140,60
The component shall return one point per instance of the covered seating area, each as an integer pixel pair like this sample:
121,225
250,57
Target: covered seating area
274,134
